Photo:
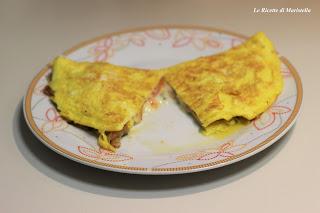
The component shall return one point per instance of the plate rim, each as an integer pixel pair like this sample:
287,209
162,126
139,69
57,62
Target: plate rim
160,171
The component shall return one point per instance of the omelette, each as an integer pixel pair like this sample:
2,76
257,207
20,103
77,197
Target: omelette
227,90
102,96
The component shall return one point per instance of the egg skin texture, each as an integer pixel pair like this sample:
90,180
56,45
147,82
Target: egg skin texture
241,82
100,95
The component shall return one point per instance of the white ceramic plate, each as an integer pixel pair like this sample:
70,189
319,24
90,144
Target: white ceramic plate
167,141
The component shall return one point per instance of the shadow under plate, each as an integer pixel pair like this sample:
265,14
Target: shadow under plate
114,184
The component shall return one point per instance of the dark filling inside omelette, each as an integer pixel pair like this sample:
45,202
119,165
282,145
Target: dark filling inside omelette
216,127
114,136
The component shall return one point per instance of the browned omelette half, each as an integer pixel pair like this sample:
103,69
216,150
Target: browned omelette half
225,89
102,96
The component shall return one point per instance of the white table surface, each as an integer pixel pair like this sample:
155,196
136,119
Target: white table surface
283,178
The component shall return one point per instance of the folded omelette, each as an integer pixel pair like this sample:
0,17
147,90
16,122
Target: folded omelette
102,96
222,91
227,89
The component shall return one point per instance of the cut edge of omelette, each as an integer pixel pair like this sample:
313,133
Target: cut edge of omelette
105,97
220,114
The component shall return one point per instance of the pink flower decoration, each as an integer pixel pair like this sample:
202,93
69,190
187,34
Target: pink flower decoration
235,42
285,72
102,51
102,154
199,41
158,34
269,117
106,48
225,150
181,41
38,90
136,39
213,43
53,121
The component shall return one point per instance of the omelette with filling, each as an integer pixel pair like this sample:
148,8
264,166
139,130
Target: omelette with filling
226,90
102,96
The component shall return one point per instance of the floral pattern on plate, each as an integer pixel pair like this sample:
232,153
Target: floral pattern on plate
183,148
